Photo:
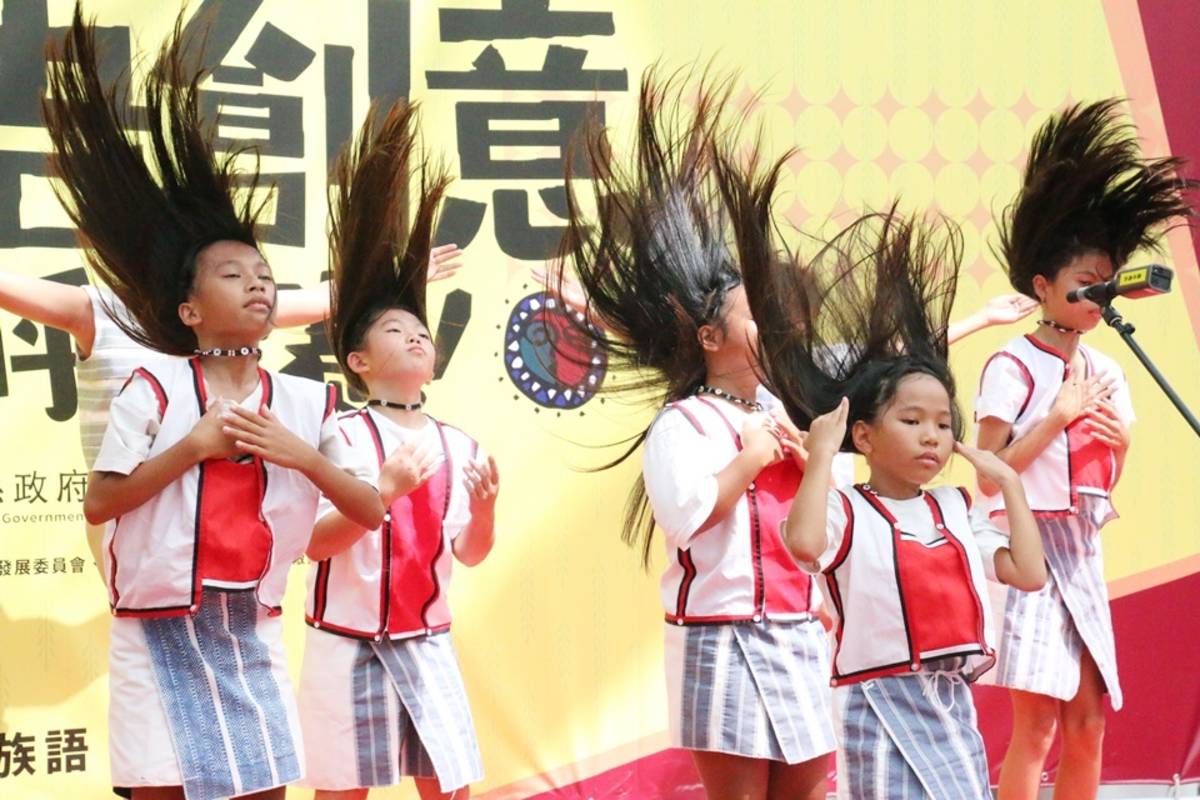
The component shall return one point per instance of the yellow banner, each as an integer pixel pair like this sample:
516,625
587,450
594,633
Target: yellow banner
559,632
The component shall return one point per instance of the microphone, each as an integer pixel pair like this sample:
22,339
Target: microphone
1133,283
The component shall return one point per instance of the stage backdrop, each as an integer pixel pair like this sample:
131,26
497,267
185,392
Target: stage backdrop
559,631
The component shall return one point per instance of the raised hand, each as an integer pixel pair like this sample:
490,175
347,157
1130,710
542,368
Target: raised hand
760,436
828,431
483,483
987,464
791,438
1104,425
408,466
1008,308
263,435
1079,394
570,292
443,262
209,435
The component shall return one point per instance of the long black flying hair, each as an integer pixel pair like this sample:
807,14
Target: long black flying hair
654,261
871,307
1086,188
143,219
383,215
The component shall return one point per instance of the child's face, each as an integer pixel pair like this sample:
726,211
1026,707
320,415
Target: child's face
397,348
1082,271
911,439
233,294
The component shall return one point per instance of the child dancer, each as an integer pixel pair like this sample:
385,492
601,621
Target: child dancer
380,687
106,354
902,566
746,659
211,467
1059,412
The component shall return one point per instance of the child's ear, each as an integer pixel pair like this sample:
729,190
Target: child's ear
860,435
189,314
1041,286
711,338
357,364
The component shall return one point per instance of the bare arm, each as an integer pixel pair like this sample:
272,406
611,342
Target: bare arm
805,533
760,448
1003,310
405,469
298,307
1022,564
263,435
111,494
475,541
58,305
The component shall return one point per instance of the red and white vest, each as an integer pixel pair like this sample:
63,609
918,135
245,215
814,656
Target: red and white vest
739,569
1073,460
898,602
392,582
152,554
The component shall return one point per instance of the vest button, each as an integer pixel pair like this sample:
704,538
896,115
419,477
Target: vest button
757,618
317,625
387,516
914,666
194,609
940,527
378,638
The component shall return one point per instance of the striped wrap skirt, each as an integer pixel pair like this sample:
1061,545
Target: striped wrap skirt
385,710
203,701
759,690
910,737
1043,634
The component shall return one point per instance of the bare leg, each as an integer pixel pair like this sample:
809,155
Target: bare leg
278,793
808,780
158,793
1082,720
343,794
430,789
729,777
1034,723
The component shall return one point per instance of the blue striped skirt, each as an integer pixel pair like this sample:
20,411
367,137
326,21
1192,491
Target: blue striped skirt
759,690
386,710
910,736
204,701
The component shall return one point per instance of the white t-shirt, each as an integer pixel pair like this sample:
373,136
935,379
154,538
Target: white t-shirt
100,376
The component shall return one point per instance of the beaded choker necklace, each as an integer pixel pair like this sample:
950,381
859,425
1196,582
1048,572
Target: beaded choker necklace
1057,327
375,401
230,352
741,401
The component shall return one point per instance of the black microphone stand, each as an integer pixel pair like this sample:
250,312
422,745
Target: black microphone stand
1125,329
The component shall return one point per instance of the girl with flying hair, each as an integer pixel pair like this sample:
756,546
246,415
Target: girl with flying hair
855,343
746,657
381,687
210,470
1059,411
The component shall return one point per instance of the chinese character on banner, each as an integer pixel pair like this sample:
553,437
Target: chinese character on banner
22,566
66,750
29,487
517,126
77,565
41,566
16,754
5,567
60,565
72,486
521,140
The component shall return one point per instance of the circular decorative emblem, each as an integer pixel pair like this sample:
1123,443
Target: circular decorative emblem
549,356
